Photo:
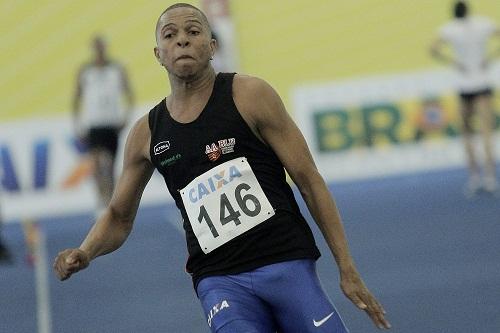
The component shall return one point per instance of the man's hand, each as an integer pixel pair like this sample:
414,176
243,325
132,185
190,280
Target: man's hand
70,261
354,288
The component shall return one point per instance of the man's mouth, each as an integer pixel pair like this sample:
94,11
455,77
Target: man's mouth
184,57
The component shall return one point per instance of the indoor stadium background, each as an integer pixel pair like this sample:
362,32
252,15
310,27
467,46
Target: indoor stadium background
357,77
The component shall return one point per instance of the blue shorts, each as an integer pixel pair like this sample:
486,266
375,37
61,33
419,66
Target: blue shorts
286,297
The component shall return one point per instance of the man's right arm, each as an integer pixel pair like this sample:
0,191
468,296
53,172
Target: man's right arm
77,97
114,225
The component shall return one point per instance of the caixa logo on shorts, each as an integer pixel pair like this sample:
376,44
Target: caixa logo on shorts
224,146
215,309
161,147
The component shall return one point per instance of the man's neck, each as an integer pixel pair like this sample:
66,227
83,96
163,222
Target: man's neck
189,97
101,61
182,89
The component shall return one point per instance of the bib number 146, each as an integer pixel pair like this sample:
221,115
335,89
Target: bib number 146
225,202
228,213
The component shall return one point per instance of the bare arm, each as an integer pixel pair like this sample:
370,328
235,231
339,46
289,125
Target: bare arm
263,109
496,51
437,52
114,225
77,96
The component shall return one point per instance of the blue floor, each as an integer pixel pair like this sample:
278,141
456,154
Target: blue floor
430,255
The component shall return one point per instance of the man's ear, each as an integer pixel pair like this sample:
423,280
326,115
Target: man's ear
156,52
213,46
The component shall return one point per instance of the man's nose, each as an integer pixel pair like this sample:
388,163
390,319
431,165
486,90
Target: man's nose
183,41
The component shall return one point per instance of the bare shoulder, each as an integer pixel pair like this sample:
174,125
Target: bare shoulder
139,138
255,98
246,87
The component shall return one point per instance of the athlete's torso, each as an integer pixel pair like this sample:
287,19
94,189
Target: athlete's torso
469,38
102,88
216,164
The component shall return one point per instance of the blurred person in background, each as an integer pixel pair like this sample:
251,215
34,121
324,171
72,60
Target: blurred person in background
223,142
218,62
221,61
468,37
99,114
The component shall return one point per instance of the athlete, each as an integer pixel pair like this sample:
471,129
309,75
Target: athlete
99,114
223,142
468,37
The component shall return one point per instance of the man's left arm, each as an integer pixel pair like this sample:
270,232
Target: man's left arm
496,47
264,111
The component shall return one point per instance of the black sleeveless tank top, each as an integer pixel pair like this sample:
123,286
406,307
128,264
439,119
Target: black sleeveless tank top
183,151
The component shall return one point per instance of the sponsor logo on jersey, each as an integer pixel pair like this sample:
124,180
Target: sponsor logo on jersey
213,183
170,160
224,146
161,147
216,309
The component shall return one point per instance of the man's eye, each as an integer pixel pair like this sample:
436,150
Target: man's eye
194,32
167,36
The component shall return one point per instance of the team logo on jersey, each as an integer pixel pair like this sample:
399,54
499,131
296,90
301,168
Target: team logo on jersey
213,152
224,146
161,147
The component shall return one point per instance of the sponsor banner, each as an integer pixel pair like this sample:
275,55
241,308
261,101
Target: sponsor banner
384,125
45,172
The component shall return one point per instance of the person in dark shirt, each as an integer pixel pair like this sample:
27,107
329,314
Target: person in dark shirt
222,143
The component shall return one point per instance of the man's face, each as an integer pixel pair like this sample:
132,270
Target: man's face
99,47
184,43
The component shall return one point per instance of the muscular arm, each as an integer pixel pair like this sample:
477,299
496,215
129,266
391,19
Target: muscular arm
276,128
264,111
114,225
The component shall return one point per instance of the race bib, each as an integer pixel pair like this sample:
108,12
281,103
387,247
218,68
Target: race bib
225,202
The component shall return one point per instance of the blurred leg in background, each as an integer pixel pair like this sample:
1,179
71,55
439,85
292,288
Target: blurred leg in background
103,147
474,182
487,123
479,105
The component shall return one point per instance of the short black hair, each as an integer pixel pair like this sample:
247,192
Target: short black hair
183,5
460,9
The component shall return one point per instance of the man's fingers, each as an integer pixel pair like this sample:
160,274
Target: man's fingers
378,318
376,312
66,263
70,260
357,292
357,301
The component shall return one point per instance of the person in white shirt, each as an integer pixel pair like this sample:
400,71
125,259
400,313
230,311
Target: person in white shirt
99,113
468,37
